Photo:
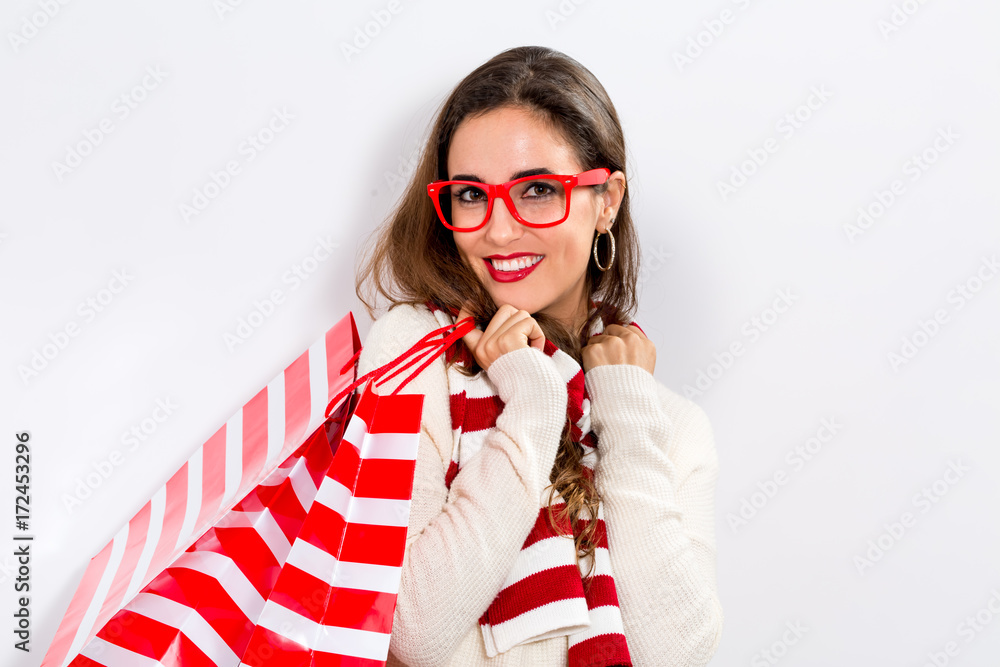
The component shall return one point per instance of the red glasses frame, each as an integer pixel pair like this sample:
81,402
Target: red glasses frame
502,190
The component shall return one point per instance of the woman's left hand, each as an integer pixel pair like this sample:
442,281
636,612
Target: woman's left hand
620,345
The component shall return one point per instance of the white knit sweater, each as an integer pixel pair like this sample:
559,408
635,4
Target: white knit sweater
656,474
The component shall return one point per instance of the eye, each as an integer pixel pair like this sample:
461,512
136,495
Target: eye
538,189
470,194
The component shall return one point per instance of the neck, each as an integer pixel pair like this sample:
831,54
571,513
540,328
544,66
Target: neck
575,320
578,320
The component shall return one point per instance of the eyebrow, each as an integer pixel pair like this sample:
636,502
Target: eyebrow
514,177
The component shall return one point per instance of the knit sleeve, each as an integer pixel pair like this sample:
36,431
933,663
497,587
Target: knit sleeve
461,546
656,473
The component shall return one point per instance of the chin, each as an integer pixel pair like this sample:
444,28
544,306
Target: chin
515,299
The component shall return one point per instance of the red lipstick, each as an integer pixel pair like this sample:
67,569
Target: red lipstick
515,255
511,276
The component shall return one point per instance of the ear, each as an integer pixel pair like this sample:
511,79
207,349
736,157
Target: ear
612,199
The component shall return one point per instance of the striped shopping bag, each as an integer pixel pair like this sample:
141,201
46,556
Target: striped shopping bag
305,568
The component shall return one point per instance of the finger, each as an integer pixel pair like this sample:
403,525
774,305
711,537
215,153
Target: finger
528,327
499,338
637,329
518,323
504,313
506,321
472,338
620,331
521,323
462,314
536,338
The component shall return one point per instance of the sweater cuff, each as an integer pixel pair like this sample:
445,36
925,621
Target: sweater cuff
623,395
530,373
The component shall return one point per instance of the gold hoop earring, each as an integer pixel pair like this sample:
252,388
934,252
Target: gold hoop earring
611,239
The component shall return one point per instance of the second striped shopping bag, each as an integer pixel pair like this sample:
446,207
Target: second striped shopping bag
303,570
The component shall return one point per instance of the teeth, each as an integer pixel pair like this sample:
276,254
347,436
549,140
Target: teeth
518,264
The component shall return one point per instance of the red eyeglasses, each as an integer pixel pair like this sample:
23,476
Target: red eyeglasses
535,201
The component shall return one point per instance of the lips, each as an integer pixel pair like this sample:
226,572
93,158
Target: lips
515,255
511,276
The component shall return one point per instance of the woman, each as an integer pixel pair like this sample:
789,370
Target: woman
547,414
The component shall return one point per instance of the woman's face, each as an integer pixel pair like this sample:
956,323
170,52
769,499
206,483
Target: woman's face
497,147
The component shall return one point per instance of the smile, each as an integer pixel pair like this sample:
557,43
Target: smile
511,270
518,264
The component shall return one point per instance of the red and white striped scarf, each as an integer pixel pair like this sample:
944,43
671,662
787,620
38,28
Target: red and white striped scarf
544,595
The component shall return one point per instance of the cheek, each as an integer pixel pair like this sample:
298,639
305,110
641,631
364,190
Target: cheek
576,247
581,254
465,251
460,244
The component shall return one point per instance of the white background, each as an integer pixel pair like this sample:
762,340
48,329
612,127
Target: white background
712,263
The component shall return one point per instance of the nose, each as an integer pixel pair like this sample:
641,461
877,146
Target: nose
502,227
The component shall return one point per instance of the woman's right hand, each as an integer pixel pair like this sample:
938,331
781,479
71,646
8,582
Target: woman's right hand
510,329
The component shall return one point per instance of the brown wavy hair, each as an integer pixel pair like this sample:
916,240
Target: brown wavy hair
414,258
